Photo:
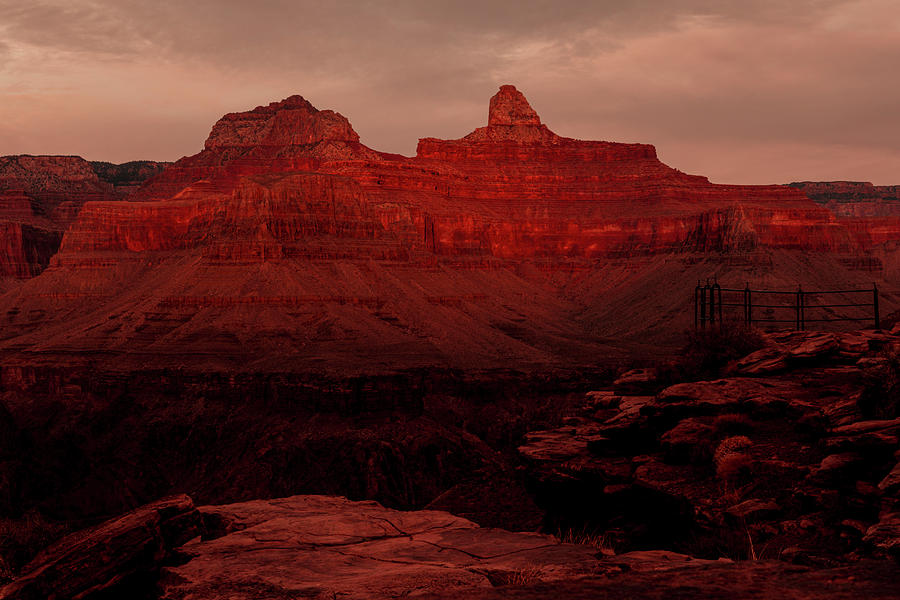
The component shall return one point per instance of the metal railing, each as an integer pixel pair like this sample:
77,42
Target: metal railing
711,301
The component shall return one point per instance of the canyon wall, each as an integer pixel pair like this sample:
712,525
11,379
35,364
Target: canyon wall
41,195
288,244
853,198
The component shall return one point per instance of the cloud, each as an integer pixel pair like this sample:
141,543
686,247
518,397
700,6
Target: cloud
686,75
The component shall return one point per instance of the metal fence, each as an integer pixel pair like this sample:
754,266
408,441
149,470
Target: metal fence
712,302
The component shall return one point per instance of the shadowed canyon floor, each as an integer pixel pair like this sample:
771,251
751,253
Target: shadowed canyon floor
780,480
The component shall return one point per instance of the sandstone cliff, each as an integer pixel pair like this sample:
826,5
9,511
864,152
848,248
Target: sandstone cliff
853,198
41,195
287,243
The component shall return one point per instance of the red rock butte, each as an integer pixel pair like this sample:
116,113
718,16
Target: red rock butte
288,244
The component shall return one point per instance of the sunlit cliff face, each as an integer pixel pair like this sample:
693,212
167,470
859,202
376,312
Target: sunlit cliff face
750,92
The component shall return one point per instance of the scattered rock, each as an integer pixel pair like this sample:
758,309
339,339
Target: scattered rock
890,485
837,469
636,381
885,535
689,440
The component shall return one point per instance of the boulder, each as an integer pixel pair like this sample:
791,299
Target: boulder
890,485
837,469
765,361
885,535
690,440
813,346
636,381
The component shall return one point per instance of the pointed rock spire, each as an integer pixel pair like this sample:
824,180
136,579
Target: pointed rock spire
509,107
511,119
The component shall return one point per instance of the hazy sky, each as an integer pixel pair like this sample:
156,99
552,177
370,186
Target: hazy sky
745,91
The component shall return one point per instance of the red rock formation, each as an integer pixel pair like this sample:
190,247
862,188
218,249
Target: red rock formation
513,189
853,198
871,213
506,230
41,195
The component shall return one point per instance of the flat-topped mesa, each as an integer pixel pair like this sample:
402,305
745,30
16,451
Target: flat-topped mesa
291,122
288,240
46,174
290,135
853,198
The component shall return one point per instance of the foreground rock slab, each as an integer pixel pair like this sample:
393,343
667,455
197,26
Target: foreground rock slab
326,547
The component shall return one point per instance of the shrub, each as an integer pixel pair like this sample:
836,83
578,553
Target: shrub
731,463
734,468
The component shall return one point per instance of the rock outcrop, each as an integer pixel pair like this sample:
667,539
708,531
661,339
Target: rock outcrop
322,547
326,547
662,576
781,459
853,198
41,195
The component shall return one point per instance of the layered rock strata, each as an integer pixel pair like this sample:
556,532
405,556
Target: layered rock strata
853,198
287,241
41,195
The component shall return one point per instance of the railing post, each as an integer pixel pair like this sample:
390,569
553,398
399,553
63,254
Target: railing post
875,305
749,306
712,303
799,297
702,305
718,290
697,305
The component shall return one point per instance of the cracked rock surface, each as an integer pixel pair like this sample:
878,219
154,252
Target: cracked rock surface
322,547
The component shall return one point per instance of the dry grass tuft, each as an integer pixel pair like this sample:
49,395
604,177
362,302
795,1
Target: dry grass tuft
523,576
583,537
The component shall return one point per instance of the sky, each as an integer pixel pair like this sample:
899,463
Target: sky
745,91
